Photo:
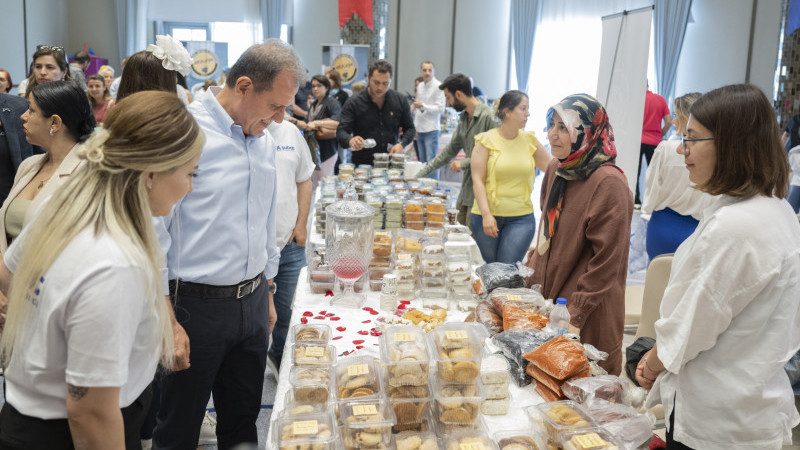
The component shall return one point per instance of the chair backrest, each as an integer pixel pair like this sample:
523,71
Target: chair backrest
655,283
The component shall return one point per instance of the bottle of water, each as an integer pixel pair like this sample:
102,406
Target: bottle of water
451,199
559,317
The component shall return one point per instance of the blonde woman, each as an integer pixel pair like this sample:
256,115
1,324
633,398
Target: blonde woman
86,322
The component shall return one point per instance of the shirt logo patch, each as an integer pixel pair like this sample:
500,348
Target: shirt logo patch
285,148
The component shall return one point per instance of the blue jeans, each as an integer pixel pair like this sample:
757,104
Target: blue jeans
428,148
293,259
514,236
794,197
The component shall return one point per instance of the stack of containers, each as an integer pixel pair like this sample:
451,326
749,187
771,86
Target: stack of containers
381,160
434,212
320,275
414,217
459,278
405,269
406,355
374,199
563,420
432,268
395,176
380,264
458,389
346,169
397,161
494,376
394,212
317,431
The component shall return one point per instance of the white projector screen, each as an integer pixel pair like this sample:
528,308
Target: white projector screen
622,81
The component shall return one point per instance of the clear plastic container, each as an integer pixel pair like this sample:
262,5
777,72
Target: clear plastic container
405,261
409,403
458,403
475,439
434,284
494,369
358,377
310,384
416,440
559,417
589,439
366,424
458,353
322,287
406,355
425,423
313,354
435,300
293,407
317,431
431,246
520,439
495,407
497,391
311,333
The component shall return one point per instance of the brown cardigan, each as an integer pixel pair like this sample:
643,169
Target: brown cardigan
587,262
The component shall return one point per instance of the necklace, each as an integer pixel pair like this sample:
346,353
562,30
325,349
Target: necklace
41,183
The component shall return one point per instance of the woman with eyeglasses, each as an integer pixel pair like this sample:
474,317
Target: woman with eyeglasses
87,324
581,252
673,203
322,120
730,316
49,64
58,118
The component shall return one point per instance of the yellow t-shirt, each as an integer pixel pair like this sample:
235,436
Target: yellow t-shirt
510,172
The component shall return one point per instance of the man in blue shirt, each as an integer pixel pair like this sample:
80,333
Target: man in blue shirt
222,254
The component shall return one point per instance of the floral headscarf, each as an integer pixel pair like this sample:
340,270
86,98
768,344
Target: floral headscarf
592,147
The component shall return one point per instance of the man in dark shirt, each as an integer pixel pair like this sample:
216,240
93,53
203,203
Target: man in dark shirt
376,113
13,145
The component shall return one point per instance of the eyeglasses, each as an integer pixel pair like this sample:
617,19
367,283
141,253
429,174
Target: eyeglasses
684,140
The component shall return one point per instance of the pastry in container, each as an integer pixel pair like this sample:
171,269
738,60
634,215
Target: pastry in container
311,333
310,384
307,431
357,377
313,354
416,440
519,440
366,424
589,439
406,355
560,417
476,439
458,353
458,403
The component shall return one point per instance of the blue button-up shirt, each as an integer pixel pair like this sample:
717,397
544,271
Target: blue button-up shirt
223,232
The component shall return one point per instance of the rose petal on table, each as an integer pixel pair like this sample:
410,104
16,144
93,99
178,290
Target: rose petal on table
304,320
322,313
335,338
330,315
366,321
373,312
363,332
335,318
319,317
358,341
402,306
329,293
405,302
359,347
340,328
308,314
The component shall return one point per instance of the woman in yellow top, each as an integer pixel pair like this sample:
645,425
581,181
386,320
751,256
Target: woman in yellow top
503,163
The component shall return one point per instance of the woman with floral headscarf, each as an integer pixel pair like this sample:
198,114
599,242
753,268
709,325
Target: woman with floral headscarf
581,251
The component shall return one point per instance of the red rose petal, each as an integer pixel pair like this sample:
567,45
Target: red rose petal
366,321
319,317
308,314
373,312
402,306
405,302
381,319
363,332
366,308
329,293
375,345
358,341
322,313
330,315
303,320
340,328
335,318
335,338
359,347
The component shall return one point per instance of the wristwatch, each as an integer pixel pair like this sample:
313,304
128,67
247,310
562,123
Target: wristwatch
273,288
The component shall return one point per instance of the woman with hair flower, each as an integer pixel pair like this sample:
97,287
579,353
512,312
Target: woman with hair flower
155,68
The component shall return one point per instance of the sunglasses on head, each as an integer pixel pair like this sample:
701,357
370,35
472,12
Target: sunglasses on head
55,48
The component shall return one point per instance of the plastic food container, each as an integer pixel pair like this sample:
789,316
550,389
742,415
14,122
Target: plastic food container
458,353
495,407
317,431
494,370
310,384
293,407
497,391
366,424
313,354
416,440
358,377
458,403
311,333
589,439
321,288
406,355
409,403
432,247
521,439
476,439
559,417
426,423
436,300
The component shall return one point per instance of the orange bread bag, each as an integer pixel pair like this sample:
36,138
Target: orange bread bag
521,319
559,357
547,394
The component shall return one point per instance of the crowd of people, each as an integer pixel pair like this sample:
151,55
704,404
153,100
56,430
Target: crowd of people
153,244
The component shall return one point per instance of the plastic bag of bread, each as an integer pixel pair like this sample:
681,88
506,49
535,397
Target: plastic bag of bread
515,318
495,275
587,390
559,357
547,394
521,297
515,343
486,315
630,427
554,385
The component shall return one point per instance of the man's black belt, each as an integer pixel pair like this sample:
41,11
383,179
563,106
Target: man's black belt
237,291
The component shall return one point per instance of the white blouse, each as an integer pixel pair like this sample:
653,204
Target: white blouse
730,319
668,184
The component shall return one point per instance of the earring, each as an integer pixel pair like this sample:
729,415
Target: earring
150,185
52,132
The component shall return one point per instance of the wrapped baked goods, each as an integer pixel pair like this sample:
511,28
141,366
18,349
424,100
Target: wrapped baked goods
494,370
468,439
382,244
519,440
515,318
458,403
313,354
524,298
310,384
514,344
409,402
424,424
495,407
554,385
559,357
311,333
406,355
546,393
357,377
486,315
293,407
415,440
625,423
586,390
495,275
561,416
366,424
311,431
589,439
458,353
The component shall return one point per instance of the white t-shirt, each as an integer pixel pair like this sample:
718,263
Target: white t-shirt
668,184
91,328
730,319
294,165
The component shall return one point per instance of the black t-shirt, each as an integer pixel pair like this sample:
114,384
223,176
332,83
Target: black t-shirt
6,166
793,128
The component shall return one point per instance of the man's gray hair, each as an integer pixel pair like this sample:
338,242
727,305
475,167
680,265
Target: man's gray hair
263,62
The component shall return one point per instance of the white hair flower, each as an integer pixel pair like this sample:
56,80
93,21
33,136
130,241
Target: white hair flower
171,53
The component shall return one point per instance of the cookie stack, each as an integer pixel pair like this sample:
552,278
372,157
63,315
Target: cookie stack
405,354
494,375
459,391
